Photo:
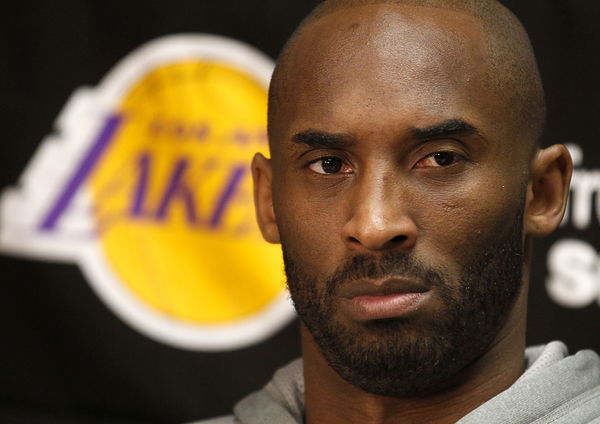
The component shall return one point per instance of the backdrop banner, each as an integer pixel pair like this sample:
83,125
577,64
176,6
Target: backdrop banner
136,285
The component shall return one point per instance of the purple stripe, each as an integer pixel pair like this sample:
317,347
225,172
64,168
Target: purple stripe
86,167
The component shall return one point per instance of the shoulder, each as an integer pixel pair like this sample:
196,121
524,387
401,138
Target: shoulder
227,419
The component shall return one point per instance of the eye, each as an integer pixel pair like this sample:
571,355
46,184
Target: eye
439,160
329,165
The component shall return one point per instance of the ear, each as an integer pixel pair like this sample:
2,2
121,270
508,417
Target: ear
547,190
262,175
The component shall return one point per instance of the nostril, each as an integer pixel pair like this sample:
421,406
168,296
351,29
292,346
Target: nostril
398,239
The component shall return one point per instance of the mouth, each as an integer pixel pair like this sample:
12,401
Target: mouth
367,300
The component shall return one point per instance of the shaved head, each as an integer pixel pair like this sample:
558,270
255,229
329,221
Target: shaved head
509,71
404,185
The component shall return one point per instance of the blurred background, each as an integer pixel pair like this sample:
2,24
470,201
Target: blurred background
86,337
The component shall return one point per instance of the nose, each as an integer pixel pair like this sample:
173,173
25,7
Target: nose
379,218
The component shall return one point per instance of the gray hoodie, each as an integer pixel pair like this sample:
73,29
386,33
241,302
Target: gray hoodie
555,388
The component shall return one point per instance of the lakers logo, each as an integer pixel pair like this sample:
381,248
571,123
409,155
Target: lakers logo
150,192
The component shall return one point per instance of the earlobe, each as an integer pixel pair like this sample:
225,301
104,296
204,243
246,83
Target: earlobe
547,190
263,198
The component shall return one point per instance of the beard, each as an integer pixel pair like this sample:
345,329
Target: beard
409,356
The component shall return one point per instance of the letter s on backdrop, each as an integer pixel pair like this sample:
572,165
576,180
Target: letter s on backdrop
573,273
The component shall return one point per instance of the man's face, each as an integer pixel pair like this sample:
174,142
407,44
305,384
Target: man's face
398,192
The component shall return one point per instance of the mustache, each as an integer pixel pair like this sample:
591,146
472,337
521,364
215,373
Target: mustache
387,265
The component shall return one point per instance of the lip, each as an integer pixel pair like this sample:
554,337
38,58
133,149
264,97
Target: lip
372,300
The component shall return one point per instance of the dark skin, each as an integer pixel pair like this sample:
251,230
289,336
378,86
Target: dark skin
389,139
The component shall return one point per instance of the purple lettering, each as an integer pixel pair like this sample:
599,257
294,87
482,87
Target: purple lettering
241,137
156,127
235,177
179,130
139,195
262,137
176,189
201,132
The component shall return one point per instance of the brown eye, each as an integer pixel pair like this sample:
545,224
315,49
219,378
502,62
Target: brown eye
444,158
329,165
439,160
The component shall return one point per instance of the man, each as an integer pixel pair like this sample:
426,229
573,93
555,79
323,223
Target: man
405,185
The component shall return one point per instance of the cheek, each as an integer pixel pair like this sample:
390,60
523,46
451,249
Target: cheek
308,229
453,223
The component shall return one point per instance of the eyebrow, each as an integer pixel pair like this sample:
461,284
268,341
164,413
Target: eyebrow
323,140
446,128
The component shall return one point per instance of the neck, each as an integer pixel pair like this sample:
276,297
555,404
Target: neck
330,399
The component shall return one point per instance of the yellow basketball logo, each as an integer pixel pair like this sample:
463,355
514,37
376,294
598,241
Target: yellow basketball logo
154,199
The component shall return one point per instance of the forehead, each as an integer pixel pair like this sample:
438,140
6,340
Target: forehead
369,62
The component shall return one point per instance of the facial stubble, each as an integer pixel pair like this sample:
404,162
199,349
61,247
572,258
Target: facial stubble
405,356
